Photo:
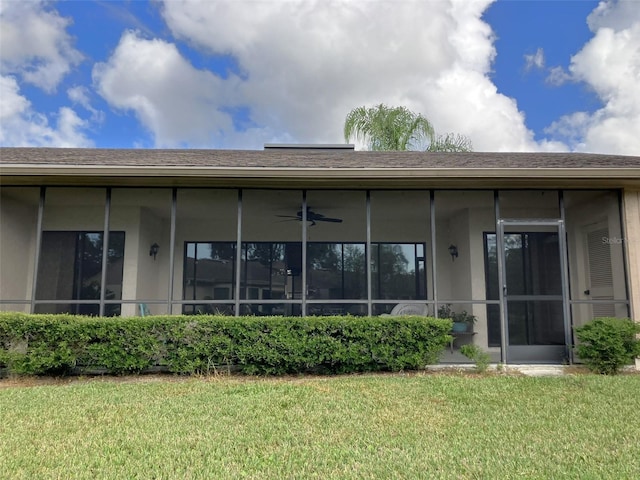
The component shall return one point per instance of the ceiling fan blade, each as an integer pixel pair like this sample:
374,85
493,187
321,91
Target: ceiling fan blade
319,217
312,217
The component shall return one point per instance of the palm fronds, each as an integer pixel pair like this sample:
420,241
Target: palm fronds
385,128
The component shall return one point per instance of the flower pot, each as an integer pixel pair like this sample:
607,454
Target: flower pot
460,327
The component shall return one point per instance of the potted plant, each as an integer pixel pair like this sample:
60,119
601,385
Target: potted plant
462,321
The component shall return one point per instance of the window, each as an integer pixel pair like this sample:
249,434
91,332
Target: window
71,269
271,271
336,271
209,274
398,271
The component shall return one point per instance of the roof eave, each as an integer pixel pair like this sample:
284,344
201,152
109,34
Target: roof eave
291,176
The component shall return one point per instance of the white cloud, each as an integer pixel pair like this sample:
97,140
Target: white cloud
12,103
557,76
609,64
179,104
21,126
304,64
36,49
80,95
615,14
534,60
35,44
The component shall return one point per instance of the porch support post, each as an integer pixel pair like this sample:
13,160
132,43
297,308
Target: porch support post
432,243
631,216
238,265
105,250
303,297
368,250
502,283
564,263
36,262
172,249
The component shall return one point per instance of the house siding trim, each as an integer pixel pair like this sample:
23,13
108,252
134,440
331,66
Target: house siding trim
631,213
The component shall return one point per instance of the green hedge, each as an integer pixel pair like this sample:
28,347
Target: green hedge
60,344
607,344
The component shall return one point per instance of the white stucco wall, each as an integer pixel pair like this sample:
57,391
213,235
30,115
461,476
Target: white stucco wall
463,278
144,216
18,217
631,202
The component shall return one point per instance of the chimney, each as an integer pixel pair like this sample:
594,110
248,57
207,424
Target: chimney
335,147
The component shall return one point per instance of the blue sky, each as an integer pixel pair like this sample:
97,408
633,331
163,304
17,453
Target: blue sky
559,29
512,75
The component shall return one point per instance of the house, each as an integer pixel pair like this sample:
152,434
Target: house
531,244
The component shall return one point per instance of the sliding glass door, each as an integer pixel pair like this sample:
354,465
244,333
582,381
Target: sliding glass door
70,273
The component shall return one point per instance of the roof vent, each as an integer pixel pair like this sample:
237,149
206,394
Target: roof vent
310,146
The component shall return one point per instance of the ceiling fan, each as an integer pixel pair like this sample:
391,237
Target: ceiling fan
312,217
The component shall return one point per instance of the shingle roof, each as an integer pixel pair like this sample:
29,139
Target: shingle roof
310,159
295,168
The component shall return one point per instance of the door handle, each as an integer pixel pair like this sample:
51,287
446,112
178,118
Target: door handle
587,292
504,290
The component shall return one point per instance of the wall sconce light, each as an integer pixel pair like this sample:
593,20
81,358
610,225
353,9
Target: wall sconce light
153,250
453,251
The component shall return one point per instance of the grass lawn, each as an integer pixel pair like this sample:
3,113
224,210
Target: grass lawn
369,426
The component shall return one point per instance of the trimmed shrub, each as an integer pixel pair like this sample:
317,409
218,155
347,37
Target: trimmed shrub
607,344
477,355
57,344
117,345
36,344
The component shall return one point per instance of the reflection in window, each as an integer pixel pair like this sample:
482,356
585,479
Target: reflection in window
268,271
208,309
209,274
71,269
336,271
271,271
322,309
398,271
270,309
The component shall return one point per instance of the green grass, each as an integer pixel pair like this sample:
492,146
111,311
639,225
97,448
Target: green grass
370,426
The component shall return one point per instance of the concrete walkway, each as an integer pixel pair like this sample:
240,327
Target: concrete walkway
529,370
538,370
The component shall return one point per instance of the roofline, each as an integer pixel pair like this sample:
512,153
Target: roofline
352,172
301,168
298,177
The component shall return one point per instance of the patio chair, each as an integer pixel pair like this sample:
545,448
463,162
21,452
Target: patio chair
409,309
144,310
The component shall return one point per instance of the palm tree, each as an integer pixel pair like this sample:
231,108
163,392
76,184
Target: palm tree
450,142
398,128
388,128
